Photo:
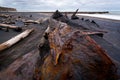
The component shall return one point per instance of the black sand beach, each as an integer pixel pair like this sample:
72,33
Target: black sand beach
8,56
19,23
110,41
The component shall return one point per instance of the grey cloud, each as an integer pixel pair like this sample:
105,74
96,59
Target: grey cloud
69,5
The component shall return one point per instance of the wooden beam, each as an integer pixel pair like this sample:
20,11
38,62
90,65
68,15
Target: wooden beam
22,68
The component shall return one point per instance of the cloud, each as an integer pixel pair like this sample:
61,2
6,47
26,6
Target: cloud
69,5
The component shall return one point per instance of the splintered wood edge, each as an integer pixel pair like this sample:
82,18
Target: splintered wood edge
15,39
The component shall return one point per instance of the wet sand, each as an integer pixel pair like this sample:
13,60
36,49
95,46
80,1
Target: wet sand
113,28
7,35
111,40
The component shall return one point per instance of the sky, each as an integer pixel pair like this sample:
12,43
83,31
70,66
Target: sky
63,5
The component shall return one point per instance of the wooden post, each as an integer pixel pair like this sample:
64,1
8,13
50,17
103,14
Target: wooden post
74,15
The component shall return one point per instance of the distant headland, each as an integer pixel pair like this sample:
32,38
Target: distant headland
6,9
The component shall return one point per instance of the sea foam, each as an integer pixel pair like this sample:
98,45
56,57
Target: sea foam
106,16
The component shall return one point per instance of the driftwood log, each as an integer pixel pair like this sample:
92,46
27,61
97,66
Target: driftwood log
57,14
31,21
77,23
16,28
99,33
39,21
22,68
74,15
60,17
4,15
66,53
73,55
15,39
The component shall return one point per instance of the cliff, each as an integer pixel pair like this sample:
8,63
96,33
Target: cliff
6,9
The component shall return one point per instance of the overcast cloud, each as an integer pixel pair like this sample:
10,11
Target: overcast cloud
64,5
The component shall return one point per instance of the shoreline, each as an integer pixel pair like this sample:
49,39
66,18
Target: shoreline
111,25
69,12
108,24
107,17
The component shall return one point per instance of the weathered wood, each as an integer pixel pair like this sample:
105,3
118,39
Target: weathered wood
74,15
95,23
42,20
75,56
60,17
65,19
39,21
31,21
15,39
16,28
9,26
57,14
99,33
44,44
75,12
4,15
22,68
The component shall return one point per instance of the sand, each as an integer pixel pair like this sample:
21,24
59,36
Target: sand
110,41
113,28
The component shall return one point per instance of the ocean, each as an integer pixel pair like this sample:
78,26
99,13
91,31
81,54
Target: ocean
113,15
114,12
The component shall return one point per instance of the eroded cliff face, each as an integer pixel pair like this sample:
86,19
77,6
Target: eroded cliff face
6,9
